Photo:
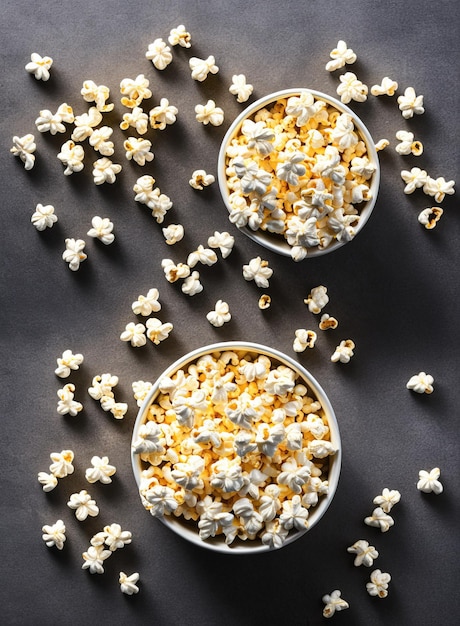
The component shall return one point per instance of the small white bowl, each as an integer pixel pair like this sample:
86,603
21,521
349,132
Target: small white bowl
189,530
277,242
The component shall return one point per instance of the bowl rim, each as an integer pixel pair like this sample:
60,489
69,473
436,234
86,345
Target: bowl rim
218,545
270,240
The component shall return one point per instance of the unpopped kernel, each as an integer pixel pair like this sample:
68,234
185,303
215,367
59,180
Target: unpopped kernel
209,113
220,315
39,66
201,179
240,88
430,216
378,585
334,602
43,216
67,362
54,535
365,554
421,383
428,481
66,403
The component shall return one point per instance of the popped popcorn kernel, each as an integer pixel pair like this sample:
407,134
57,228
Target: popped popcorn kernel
201,179
380,519
146,305
136,118
430,216
351,88
72,156
378,585
173,272
157,331
134,91
224,241
128,583
414,179
340,56
304,339
259,271
327,322
158,202
180,36
438,187
220,315
39,66
114,537
365,554
93,559
387,499
192,285
98,94
48,481
209,113
140,390
138,150
67,362
317,299
173,234
73,253
203,255
407,144
159,53
429,481
386,88
100,471
343,352
99,140
48,122
334,602
85,124
410,103
43,217
54,535
163,115
24,148
421,383
382,144
264,301
62,464
240,88
66,403
202,67
135,334
83,505
102,229
104,171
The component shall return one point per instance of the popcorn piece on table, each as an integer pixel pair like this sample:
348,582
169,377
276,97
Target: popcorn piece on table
146,305
201,179
102,229
382,144
344,351
192,285
136,118
48,122
159,53
407,144
73,253
62,463
203,255
24,148
102,386
72,156
100,140
438,187
158,202
93,559
83,505
180,36
43,217
173,272
351,88
220,315
410,103
240,88
157,331
386,88
128,583
85,124
118,409
421,383
100,471
135,334
327,322
387,499
258,271
163,115
202,67
99,94
209,113
66,403
340,56
65,112
105,171
304,339
224,241
317,299
430,216
334,602
54,535
140,390
67,362
414,179
138,150
39,66
48,481
113,537
173,234
380,519
264,301
134,91
429,481
365,554
378,585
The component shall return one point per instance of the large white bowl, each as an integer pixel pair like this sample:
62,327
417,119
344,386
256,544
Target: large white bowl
274,242
189,530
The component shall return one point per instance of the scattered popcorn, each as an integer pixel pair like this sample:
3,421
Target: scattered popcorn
340,56
224,241
163,115
192,285
48,481
421,383
85,124
134,91
179,36
159,53
209,113
62,463
72,156
334,603
39,66
429,481
382,144
264,301
102,229
48,122
220,315
158,202
101,470
203,255
327,322
128,583
134,333
410,103
73,253
102,386
414,179
117,409
202,67
104,171
94,558
378,586
99,140
173,234
140,390
430,216
113,537
380,519
258,271
365,554
43,217
68,362
438,187
146,305
157,331
407,144
386,88
138,150
173,272
351,88
98,94
317,299
304,339
66,403
83,505
387,499
65,112
344,351
24,147
201,179
136,119
240,88
54,535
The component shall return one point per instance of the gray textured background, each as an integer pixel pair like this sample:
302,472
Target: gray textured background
394,290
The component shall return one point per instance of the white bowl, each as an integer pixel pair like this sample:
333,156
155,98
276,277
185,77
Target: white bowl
189,530
277,242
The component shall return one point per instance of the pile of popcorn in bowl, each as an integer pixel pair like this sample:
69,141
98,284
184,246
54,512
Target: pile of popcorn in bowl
237,448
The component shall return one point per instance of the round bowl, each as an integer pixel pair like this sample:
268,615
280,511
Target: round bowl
328,465
330,234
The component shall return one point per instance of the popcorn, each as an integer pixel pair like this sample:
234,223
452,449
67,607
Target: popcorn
54,535
48,122
136,119
102,386
224,241
128,583
150,439
258,271
146,305
380,519
98,94
209,113
410,103
85,124
138,150
101,470
159,53
173,272
192,285
438,187
162,115
102,229
94,558
73,253
340,56
179,36
334,603
275,534
326,322
140,390
203,255
388,499
351,88
317,299
24,147
68,362
158,202
134,91
173,234
62,463
118,409
386,88
407,143
421,383
113,537
240,88
264,301
430,216
83,505
99,140
72,156
365,554
134,333
382,144
65,112
429,481
43,217
104,171
414,179
157,331
202,67
304,339
220,315
66,403
39,66
378,585
201,179
48,481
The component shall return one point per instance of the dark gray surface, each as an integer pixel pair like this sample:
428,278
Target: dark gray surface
394,290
